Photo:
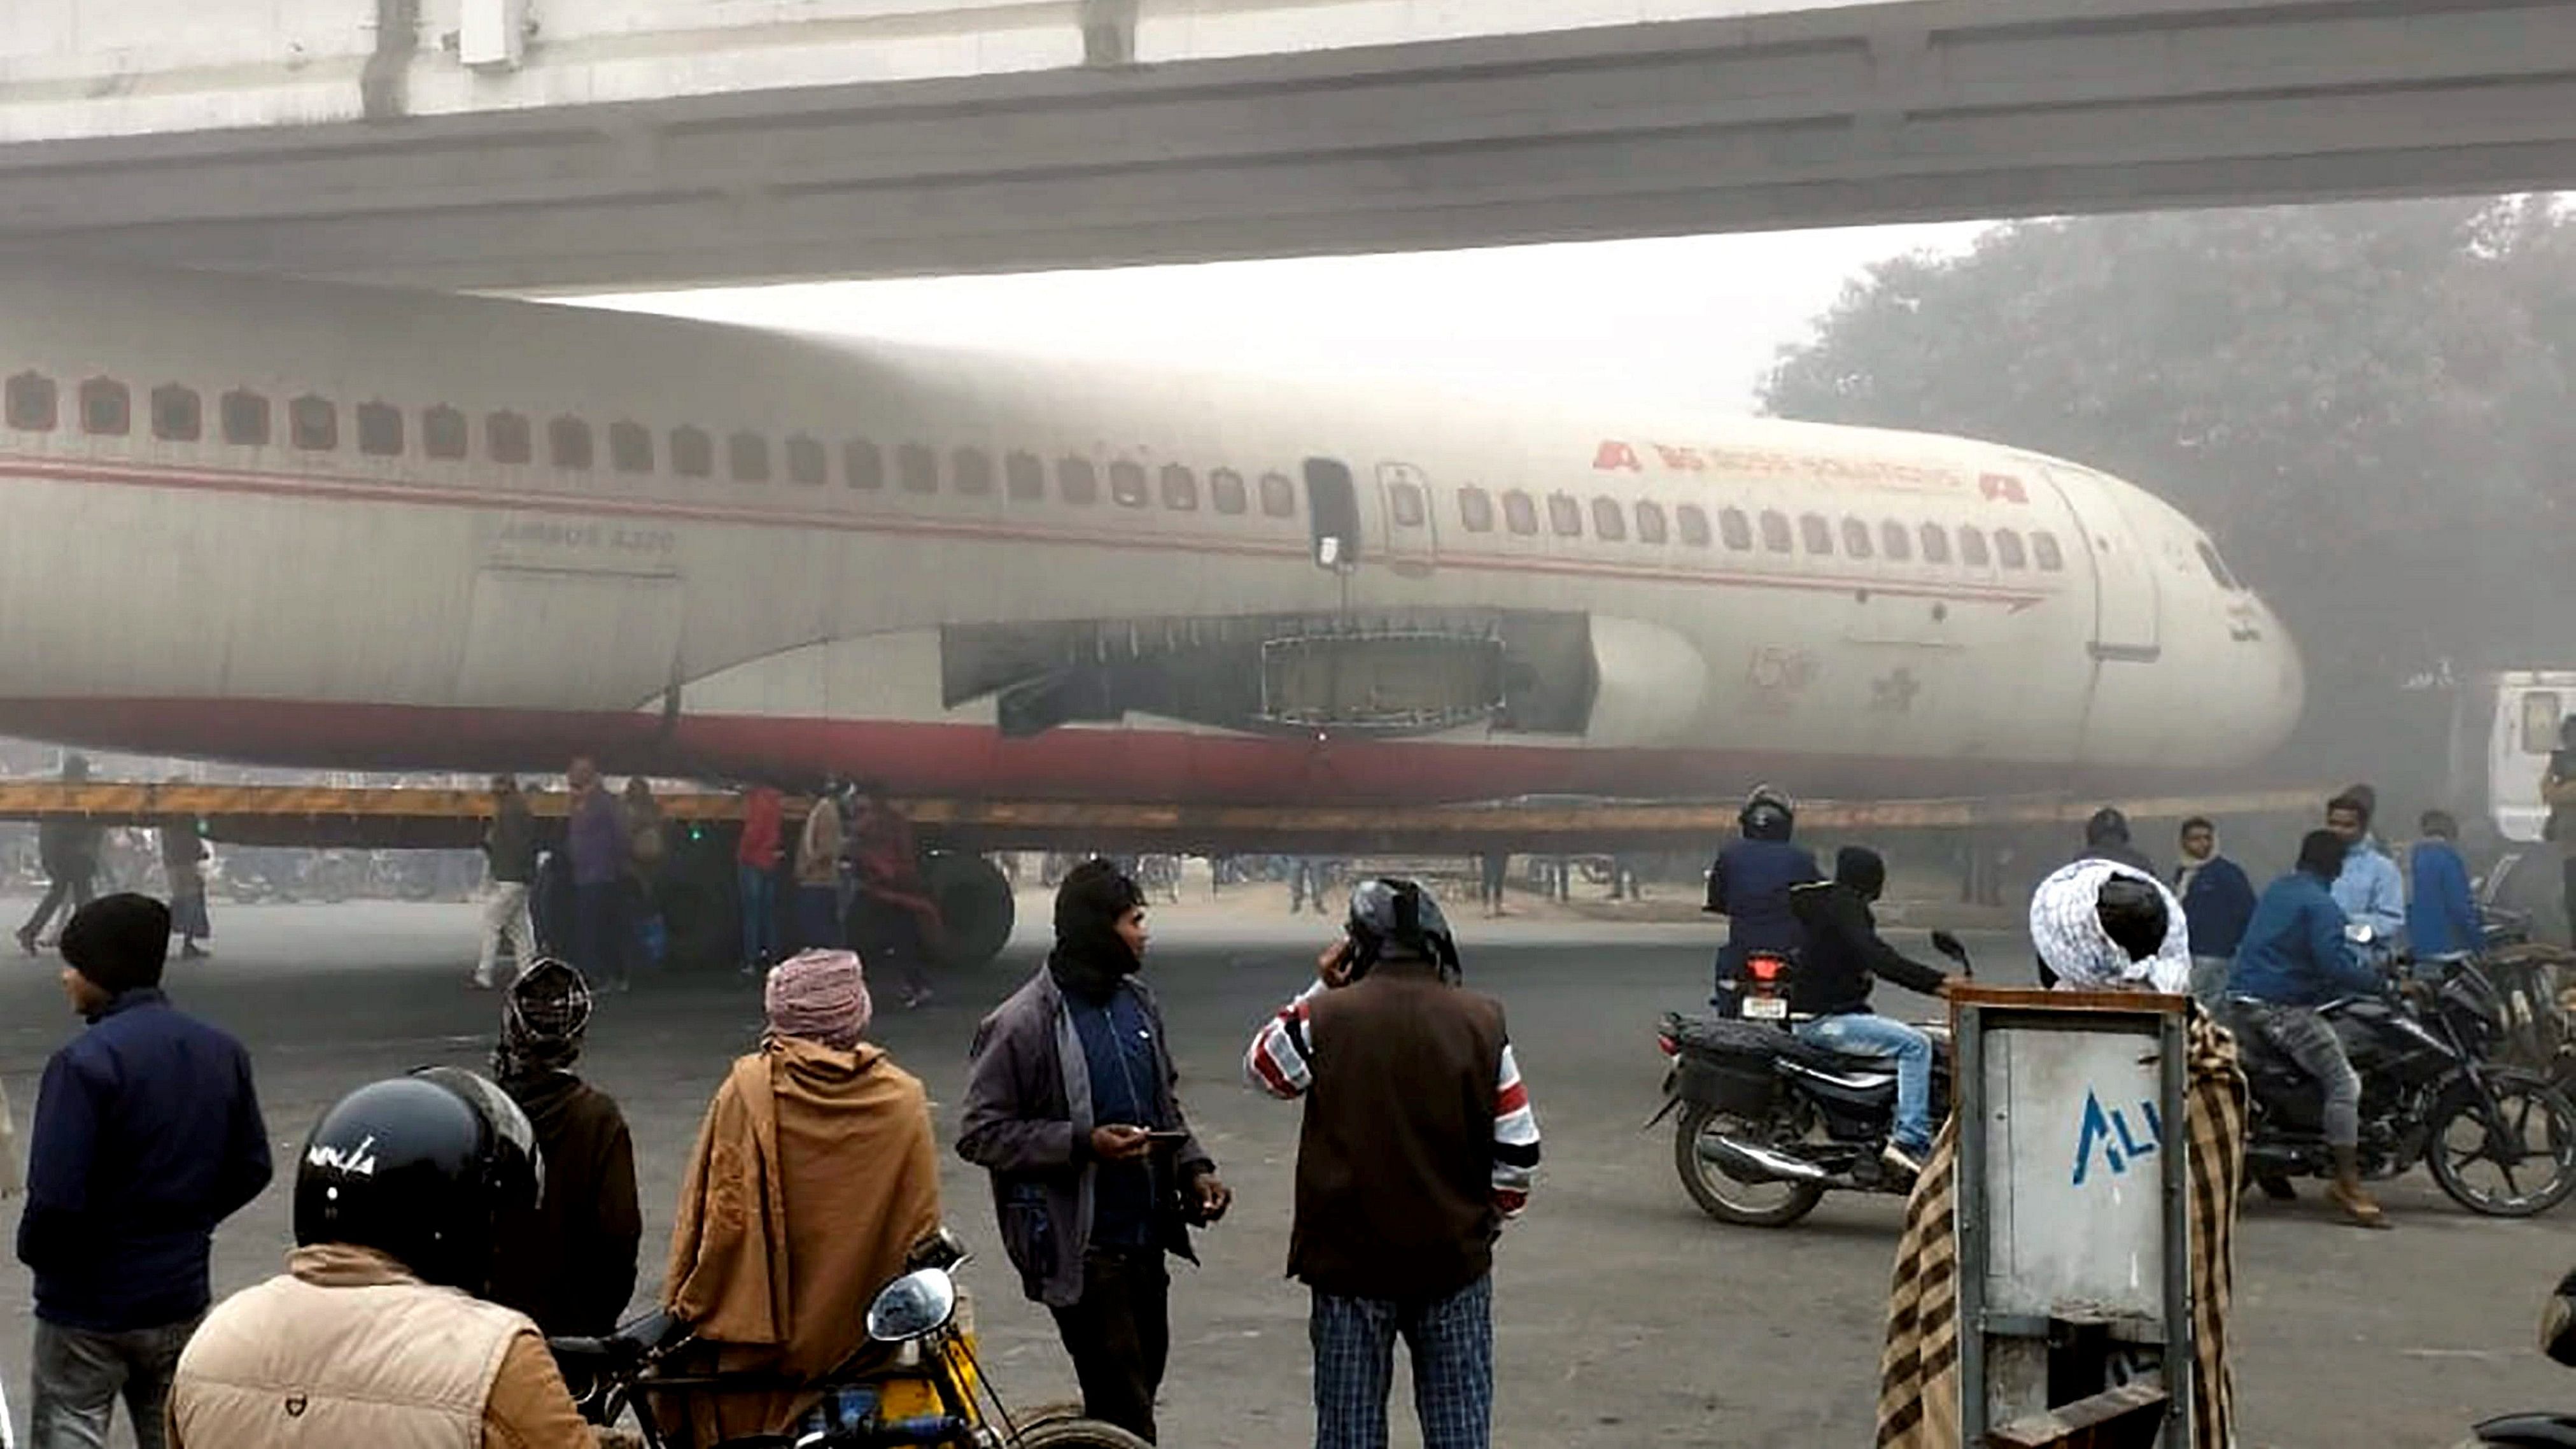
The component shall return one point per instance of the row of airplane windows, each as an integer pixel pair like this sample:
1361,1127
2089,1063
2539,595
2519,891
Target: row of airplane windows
31,402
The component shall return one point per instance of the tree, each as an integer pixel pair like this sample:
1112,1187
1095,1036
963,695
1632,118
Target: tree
2369,406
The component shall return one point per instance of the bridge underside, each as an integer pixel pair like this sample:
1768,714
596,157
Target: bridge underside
1104,133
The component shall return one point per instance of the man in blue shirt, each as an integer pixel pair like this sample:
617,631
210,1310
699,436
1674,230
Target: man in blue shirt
147,1134
2367,887
1750,884
2442,920
2295,959
2217,901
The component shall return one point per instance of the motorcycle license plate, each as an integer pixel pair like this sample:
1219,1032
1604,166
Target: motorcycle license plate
1766,1008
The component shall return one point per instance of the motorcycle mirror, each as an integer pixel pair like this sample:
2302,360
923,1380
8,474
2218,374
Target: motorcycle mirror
1948,945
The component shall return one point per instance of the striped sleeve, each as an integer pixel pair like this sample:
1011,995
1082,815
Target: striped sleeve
1515,1139
1280,1062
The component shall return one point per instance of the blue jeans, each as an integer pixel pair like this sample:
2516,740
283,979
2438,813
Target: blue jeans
818,918
759,892
1452,1340
1867,1034
79,1375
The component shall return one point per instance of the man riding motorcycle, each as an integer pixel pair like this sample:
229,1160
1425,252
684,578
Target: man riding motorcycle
2294,959
1750,884
1832,987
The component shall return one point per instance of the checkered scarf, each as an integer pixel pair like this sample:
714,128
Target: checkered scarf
543,1016
1918,1393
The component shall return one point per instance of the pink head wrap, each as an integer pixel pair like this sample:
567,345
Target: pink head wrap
821,996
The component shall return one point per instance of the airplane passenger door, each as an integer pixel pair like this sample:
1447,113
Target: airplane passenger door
1333,514
1404,508
2127,598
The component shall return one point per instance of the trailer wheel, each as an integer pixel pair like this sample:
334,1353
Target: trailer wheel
975,905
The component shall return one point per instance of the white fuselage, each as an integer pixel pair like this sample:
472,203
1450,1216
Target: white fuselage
306,524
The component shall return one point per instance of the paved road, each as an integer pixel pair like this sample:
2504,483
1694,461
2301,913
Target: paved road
1625,1317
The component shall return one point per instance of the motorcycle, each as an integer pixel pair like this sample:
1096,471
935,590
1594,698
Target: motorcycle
917,1382
1767,1124
2500,1139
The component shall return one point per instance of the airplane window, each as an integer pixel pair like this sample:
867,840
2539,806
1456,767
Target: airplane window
1609,520
1817,534
1694,524
693,453
747,457
380,430
568,443
177,416
2008,550
972,471
1737,530
1404,500
630,447
916,468
1520,515
106,408
862,465
1476,510
245,418
807,464
31,403
1564,515
313,424
1776,537
1078,481
1650,522
2043,547
2217,567
1972,546
1180,488
1856,540
507,439
1278,495
1895,541
1936,544
442,432
1024,478
1225,490
1127,485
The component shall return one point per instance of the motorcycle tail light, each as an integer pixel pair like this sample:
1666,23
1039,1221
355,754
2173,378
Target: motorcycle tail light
1765,969
1670,1047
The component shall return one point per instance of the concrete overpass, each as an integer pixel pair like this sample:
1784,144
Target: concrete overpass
627,143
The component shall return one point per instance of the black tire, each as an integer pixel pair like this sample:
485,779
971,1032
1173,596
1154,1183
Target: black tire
976,908
2463,1142
1075,1434
1725,1197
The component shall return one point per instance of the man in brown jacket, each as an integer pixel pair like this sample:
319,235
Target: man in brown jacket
567,1261
371,1336
1418,1143
814,1175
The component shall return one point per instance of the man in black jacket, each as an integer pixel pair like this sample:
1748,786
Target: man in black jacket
1832,986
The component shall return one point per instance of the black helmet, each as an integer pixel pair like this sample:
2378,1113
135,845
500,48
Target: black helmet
1389,909
2133,915
1767,815
418,1167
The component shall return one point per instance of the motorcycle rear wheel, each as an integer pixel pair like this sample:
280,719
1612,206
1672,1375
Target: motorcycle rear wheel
1727,1198
2463,1152
1076,1434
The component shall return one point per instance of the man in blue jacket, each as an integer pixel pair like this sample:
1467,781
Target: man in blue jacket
2442,919
2294,960
146,1136
1750,885
2217,901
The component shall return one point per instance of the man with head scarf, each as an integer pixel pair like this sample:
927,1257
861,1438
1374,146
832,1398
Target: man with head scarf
1418,1144
1070,1105
2098,926
1831,992
568,1261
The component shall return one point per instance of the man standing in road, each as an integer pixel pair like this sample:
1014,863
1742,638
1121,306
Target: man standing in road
2369,888
510,858
755,867
818,874
68,850
147,1134
597,842
2217,901
1418,1144
566,1260
1070,1105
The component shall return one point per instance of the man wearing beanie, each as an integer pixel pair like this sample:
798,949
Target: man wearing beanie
568,1261
146,1135
1070,1106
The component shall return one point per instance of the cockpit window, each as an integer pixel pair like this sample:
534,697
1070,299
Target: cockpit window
2217,567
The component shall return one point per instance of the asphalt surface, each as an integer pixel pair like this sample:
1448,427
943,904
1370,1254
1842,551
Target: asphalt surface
1624,1317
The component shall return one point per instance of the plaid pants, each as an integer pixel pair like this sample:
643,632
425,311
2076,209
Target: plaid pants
1452,1343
